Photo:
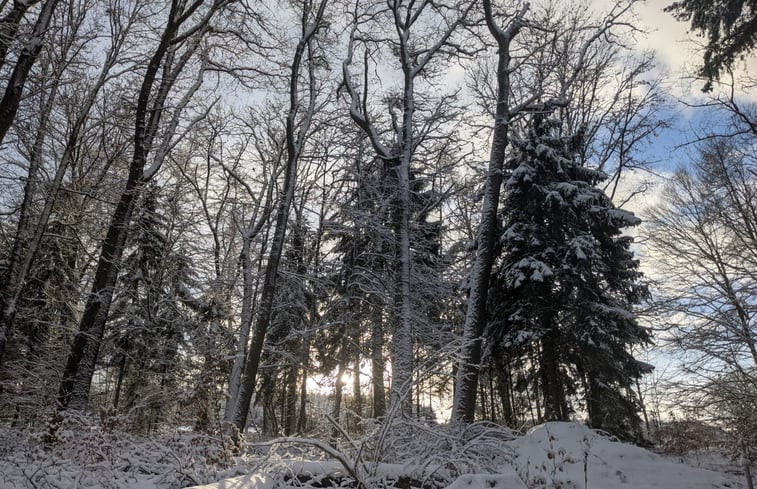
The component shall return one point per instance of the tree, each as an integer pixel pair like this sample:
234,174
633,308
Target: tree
421,34
184,28
30,50
704,234
567,281
31,228
522,82
298,126
730,27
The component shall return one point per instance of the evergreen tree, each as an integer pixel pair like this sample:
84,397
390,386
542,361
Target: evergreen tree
567,280
730,27
148,325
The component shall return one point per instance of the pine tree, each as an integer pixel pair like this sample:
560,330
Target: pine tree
567,281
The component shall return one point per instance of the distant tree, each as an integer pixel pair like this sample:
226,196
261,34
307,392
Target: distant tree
704,235
730,27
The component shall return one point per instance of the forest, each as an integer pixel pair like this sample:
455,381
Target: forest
364,224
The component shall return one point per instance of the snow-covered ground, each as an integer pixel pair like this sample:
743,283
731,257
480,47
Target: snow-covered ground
554,455
550,456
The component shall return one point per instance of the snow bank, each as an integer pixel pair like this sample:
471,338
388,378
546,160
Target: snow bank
569,455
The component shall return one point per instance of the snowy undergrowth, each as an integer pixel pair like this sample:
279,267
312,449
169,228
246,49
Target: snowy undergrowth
550,456
84,455
406,453
409,454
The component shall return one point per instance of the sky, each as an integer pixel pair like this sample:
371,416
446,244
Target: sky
677,57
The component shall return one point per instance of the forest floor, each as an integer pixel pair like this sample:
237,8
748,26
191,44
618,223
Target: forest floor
550,456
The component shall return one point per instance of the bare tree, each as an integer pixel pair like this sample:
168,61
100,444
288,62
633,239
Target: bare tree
30,231
703,236
422,33
298,122
185,27
32,46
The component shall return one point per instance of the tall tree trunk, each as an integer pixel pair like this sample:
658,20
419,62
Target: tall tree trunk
295,139
402,341
377,362
235,375
464,403
250,283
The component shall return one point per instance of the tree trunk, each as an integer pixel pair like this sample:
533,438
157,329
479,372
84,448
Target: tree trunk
746,465
358,395
119,380
302,415
464,403
290,404
504,386
377,363
339,385
552,386
295,141
235,376
402,341
15,86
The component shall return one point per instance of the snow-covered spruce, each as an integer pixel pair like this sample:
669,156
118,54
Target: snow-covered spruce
563,289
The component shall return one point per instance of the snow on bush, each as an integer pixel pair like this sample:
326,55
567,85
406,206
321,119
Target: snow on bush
85,455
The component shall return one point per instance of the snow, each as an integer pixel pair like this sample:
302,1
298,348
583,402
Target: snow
250,481
550,456
507,480
554,454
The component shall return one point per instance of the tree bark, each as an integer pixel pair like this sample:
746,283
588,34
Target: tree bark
15,86
464,403
377,362
552,386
